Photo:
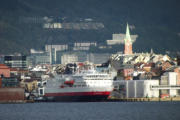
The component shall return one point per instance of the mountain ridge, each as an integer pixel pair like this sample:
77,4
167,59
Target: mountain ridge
156,23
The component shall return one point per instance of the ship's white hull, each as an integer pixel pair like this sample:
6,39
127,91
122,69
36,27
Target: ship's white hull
77,94
85,87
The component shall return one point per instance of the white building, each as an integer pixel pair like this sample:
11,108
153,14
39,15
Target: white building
69,58
98,58
166,87
119,39
83,45
137,88
56,47
33,51
53,25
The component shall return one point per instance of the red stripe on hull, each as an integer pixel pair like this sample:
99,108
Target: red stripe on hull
106,93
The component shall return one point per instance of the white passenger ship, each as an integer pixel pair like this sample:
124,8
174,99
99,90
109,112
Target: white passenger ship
84,85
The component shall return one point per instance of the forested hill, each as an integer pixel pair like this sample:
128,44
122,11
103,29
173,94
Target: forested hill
157,23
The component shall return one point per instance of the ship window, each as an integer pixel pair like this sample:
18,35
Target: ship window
41,91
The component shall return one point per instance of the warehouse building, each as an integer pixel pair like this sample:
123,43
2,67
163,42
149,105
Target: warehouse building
167,86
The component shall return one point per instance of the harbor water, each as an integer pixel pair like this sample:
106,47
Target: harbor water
91,111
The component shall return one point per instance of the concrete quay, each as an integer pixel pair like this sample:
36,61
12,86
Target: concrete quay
144,99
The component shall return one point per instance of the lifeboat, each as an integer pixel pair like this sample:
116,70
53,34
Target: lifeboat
71,82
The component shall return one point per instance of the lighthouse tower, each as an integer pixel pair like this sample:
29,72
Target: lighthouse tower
128,43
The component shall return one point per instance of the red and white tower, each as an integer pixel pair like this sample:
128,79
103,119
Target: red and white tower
128,43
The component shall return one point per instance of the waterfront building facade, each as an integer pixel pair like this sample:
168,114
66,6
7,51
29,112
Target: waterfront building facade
15,61
137,88
38,58
69,58
4,71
